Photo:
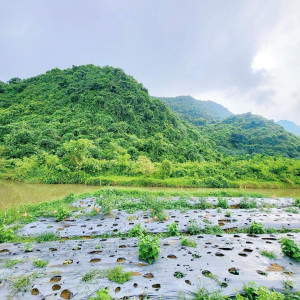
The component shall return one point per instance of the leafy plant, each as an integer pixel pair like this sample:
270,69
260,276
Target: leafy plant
256,228
117,275
223,203
107,205
40,263
27,247
290,248
172,229
98,246
252,291
187,242
103,294
268,254
137,231
178,274
149,248
203,204
6,234
63,212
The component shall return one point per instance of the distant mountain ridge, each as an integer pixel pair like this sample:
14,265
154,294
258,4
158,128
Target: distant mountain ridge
290,126
198,112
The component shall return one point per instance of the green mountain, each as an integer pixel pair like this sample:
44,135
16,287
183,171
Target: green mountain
101,104
290,126
252,134
196,111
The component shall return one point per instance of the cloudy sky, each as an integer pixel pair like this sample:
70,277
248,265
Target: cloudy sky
242,54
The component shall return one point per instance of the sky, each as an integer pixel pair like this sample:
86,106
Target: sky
243,54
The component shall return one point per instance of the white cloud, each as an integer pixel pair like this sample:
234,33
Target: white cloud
277,95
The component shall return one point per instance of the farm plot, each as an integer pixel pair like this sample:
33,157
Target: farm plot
96,249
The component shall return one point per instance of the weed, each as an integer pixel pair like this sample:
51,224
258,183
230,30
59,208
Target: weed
117,275
228,214
6,234
187,242
290,248
107,205
256,228
219,210
12,262
149,248
292,210
19,283
247,203
89,276
268,254
193,227
172,229
63,212
213,230
27,248
132,218
98,246
223,203
40,263
203,204
178,274
137,231
103,294
46,237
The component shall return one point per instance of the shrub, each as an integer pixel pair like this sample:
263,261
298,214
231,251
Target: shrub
117,275
149,248
290,248
172,229
40,263
137,231
256,228
63,212
187,242
6,234
223,203
193,227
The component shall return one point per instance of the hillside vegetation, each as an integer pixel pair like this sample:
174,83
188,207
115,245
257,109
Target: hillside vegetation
97,125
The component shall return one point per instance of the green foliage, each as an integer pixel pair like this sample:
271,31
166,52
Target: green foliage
268,254
172,229
187,242
297,202
40,263
256,228
137,231
107,205
21,282
203,204
46,237
223,203
251,291
63,212
6,234
213,230
193,227
178,274
290,248
103,294
89,276
292,210
12,262
248,203
117,275
149,248
228,214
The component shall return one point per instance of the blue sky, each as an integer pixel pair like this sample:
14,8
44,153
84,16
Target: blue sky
242,54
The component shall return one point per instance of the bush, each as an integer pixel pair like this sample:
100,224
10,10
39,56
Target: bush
149,248
290,248
117,275
256,228
172,229
103,294
193,227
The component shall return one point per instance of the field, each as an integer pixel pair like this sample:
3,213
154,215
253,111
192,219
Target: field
134,244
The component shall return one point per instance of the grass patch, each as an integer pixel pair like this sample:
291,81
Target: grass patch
12,262
89,276
268,254
187,242
40,263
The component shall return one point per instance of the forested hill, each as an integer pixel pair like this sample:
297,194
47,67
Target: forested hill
196,111
101,104
235,135
252,134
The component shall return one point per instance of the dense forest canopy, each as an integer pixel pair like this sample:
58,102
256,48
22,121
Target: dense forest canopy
97,125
